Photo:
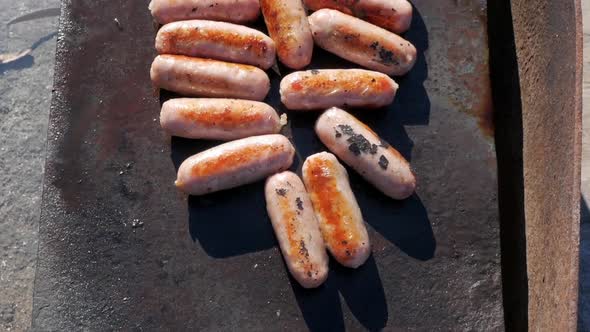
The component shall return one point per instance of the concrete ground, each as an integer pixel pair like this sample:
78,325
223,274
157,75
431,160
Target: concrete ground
25,93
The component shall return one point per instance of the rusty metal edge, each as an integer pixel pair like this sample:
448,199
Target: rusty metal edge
548,38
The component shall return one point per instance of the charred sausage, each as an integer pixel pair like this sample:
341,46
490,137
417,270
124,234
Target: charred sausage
362,43
296,228
362,149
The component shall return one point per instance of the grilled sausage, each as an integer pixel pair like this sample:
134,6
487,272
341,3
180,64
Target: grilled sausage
287,25
234,164
360,147
236,11
217,40
297,229
337,211
393,15
218,119
362,43
320,89
209,78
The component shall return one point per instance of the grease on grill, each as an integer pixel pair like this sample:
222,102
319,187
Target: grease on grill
299,203
358,143
281,192
383,162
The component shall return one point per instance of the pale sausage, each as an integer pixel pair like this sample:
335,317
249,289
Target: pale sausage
209,78
236,11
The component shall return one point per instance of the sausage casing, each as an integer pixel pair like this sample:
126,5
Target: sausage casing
218,119
320,89
296,228
235,163
362,149
209,78
362,43
236,11
337,210
217,40
393,15
288,26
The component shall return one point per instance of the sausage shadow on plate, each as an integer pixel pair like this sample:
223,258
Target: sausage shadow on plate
361,289
226,223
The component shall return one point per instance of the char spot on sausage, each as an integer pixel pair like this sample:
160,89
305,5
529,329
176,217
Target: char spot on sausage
383,162
281,191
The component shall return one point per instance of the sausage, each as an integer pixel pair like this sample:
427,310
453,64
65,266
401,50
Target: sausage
392,15
336,209
362,43
209,78
362,149
218,119
236,11
217,40
320,89
296,228
234,164
288,26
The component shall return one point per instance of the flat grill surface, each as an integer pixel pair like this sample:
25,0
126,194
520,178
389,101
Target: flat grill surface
120,248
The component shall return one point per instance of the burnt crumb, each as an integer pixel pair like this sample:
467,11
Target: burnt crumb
281,192
348,253
309,274
194,9
373,80
373,149
197,29
299,203
303,249
393,10
354,149
374,45
344,242
346,129
338,134
358,143
387,57
383,162
315,71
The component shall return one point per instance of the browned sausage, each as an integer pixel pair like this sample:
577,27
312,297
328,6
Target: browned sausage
320,89
287,25
337,211
217,40
393,15
234,164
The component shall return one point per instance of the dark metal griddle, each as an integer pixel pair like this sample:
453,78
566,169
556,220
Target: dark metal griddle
121,249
